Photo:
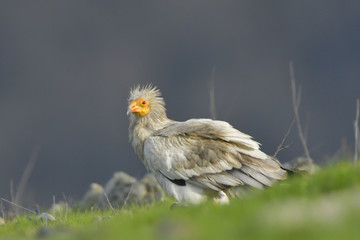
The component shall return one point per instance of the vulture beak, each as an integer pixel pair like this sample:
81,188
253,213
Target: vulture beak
134,107
131,107
139,107
128,112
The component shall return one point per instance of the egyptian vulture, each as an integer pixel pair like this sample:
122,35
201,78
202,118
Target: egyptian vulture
198,158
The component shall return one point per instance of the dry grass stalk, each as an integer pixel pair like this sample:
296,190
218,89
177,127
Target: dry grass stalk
65,199
54,202
296,98
2,210
356,129
66,205
12,196
212,93
128,195
17,205
108,201
280,147
26,174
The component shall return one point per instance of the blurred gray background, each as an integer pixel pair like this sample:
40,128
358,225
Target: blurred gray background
66,68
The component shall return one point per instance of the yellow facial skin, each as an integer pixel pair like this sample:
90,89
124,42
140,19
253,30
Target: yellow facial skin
139,107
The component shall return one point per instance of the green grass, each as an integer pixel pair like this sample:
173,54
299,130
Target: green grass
322,206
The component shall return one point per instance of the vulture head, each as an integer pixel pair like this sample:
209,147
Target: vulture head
146,102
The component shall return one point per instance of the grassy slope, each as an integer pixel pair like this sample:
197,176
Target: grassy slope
325,205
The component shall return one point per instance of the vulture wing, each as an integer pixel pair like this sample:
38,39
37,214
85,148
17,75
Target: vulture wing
210,154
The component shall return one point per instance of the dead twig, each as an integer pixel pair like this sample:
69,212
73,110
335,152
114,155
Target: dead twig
17,205
54,202
12,196
306,128
108,201
280,147
2,211
127,196
212,93
356,129
66,205
26,174
296,98
65,199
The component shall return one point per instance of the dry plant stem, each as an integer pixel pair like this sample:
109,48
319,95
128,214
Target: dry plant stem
356,129
280,147
127,196
54,202
108,201
26,174
212,93
66,204
17,205
65,199
296,97
12,190
2,210
306,129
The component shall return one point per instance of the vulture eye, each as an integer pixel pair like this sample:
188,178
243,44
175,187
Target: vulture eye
143,102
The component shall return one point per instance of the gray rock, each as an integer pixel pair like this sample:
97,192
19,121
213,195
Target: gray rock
59,207
45,217
93,196
145,191
117,188
123,189
301,165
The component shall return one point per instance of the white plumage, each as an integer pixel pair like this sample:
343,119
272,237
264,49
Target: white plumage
197,158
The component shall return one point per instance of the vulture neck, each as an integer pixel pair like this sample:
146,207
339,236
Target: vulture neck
141,128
